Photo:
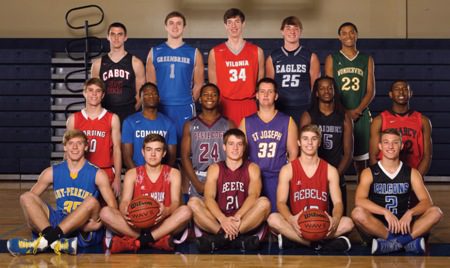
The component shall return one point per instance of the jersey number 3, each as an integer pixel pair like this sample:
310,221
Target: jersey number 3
237,74
350,83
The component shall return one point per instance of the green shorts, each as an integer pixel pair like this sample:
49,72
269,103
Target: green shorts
361,135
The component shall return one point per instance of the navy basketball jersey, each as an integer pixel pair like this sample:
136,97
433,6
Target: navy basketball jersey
391,191
174,73
71,189
267,142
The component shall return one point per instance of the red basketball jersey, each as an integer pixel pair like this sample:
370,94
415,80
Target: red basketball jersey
308,192
98,132
236,73
232,187
410,125
158,190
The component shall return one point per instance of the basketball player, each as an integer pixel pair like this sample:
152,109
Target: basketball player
382,198
75,221
203,140
122,73
178,70
354,75
162,183
102,129
309,182
235,66
295,68
137,126
328,114
233,209
271,137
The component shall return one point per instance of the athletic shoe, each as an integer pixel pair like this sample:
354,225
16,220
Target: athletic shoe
125,243
18,246
417,246
286,243
210,243
65,245
339,244
246,242
381,246
164,243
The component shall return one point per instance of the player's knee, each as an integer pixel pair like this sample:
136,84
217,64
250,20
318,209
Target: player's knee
106,215
264,205
92,203
347,224
435,213
184,213
274,221
26,198
194,204
359,215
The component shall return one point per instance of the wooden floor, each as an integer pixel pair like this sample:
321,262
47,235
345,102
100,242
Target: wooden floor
12,225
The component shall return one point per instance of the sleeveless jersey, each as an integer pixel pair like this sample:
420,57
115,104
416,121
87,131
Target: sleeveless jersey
120,82
391,192
232,187
98,132
174,73
70,192
292,76
236,73
332,127
267,142
410,125
308,192
158,190
351,78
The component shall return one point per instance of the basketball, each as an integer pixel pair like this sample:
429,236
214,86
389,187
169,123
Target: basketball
143,211
314,224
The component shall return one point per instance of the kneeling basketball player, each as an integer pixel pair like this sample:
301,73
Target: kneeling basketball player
162,183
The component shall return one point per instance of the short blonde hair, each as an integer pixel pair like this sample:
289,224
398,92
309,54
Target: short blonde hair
74,133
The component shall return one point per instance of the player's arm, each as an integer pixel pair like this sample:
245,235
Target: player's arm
375,130
211,192
70,123
212,77
102,182
270,70
305,119
242,128
127,192
127,154
95,68
260,63
139,71
370,89
254,190
117,153
199,75
291,144
175,192
43,182
347,145
425,163
150,72
314,69
329,66
336,198
186,162
284,179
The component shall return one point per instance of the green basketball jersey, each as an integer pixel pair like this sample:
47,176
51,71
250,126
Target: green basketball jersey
351,78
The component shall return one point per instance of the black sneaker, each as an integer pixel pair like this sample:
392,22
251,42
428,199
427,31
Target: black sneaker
339,244
246,242
211,242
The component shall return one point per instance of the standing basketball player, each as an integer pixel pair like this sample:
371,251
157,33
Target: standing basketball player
295,68
328,114
309,182
203,140
102,129
382,198
271,137
235,66
233,208
122,73
178,70
162,183
354,75
75,221
137,126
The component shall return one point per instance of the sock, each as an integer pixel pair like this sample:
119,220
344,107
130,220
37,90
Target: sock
404,239
51,234
146,237
390,236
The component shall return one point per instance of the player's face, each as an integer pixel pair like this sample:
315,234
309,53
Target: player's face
153,153
117,37
234,27
75,148
291,33
325,91
93,95
150,98
266,94
175,27
400,93
309,143
209,99
390,145
234,148
348,36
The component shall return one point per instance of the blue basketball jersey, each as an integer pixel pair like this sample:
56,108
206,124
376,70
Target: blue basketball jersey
174,73
71,189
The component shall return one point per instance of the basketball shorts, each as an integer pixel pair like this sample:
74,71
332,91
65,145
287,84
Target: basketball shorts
361,133
111,174
270,183
236,110
179,114
201,175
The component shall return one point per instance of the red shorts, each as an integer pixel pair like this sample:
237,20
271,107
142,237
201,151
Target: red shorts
111,175
236,110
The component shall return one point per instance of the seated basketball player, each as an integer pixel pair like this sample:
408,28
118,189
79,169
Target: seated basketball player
309,182
76,184
233,208
162,183
382,199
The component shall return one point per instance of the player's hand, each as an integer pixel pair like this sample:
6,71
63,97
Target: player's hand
354,114
405,222
334,223
116,187
230,227
163,213
393,224
293,221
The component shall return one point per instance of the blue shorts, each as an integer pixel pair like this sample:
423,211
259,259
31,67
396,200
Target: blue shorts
179,114
270,184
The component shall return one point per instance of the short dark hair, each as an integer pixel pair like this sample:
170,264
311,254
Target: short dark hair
267,80
234,132
291,20
232,13
399,81
392,131
154,137
345,24
94,81
174,14
214,86
117,25
148,85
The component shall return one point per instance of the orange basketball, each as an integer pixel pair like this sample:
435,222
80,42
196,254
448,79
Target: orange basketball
314,224
143,211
